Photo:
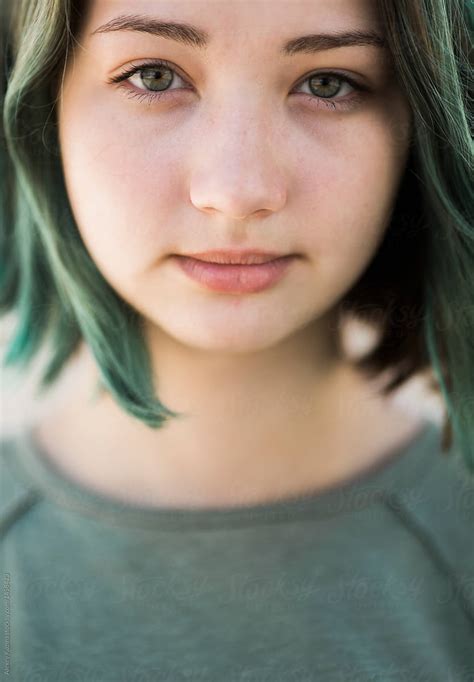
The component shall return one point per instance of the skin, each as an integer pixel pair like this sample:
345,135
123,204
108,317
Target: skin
231,160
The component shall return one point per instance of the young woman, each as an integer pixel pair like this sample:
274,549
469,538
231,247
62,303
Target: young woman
197,197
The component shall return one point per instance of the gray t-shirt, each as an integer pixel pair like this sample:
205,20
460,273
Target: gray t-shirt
372,580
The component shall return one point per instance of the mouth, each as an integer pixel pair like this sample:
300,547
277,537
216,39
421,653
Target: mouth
238,277
248,257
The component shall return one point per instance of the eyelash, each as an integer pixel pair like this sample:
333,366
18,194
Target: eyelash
314,100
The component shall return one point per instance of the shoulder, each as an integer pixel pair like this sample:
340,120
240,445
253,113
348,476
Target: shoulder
446,502
17,495
440,512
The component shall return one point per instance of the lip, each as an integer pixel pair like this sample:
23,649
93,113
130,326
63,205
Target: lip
236,279
236,257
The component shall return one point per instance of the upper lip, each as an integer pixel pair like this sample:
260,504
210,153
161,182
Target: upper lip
245,257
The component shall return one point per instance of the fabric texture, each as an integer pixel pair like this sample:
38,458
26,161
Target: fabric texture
372,580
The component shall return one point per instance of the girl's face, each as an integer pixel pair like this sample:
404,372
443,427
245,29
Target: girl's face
237,144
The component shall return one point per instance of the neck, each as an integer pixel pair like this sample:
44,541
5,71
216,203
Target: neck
258,427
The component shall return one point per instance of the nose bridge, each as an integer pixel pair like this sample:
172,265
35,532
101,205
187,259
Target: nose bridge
242,115
238,170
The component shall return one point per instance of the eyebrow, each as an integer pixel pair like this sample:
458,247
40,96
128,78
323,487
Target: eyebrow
200,39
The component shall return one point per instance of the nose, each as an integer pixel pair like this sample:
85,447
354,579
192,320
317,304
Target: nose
237,173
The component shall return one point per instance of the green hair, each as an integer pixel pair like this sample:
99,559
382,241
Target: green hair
417,291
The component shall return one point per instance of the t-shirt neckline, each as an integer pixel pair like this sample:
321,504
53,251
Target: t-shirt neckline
401,468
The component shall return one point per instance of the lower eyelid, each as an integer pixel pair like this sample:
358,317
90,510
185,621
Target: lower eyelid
353,101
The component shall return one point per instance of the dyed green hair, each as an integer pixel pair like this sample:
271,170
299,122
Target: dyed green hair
417,291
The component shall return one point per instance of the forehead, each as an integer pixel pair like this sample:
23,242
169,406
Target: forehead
247,21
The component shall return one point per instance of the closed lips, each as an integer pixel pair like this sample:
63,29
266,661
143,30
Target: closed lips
237,259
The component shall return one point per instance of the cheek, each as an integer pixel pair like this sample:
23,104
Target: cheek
121,195
351,191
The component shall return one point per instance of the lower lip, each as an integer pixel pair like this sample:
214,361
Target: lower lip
235,278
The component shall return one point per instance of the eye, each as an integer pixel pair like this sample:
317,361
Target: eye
156,76
154,80
325,85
